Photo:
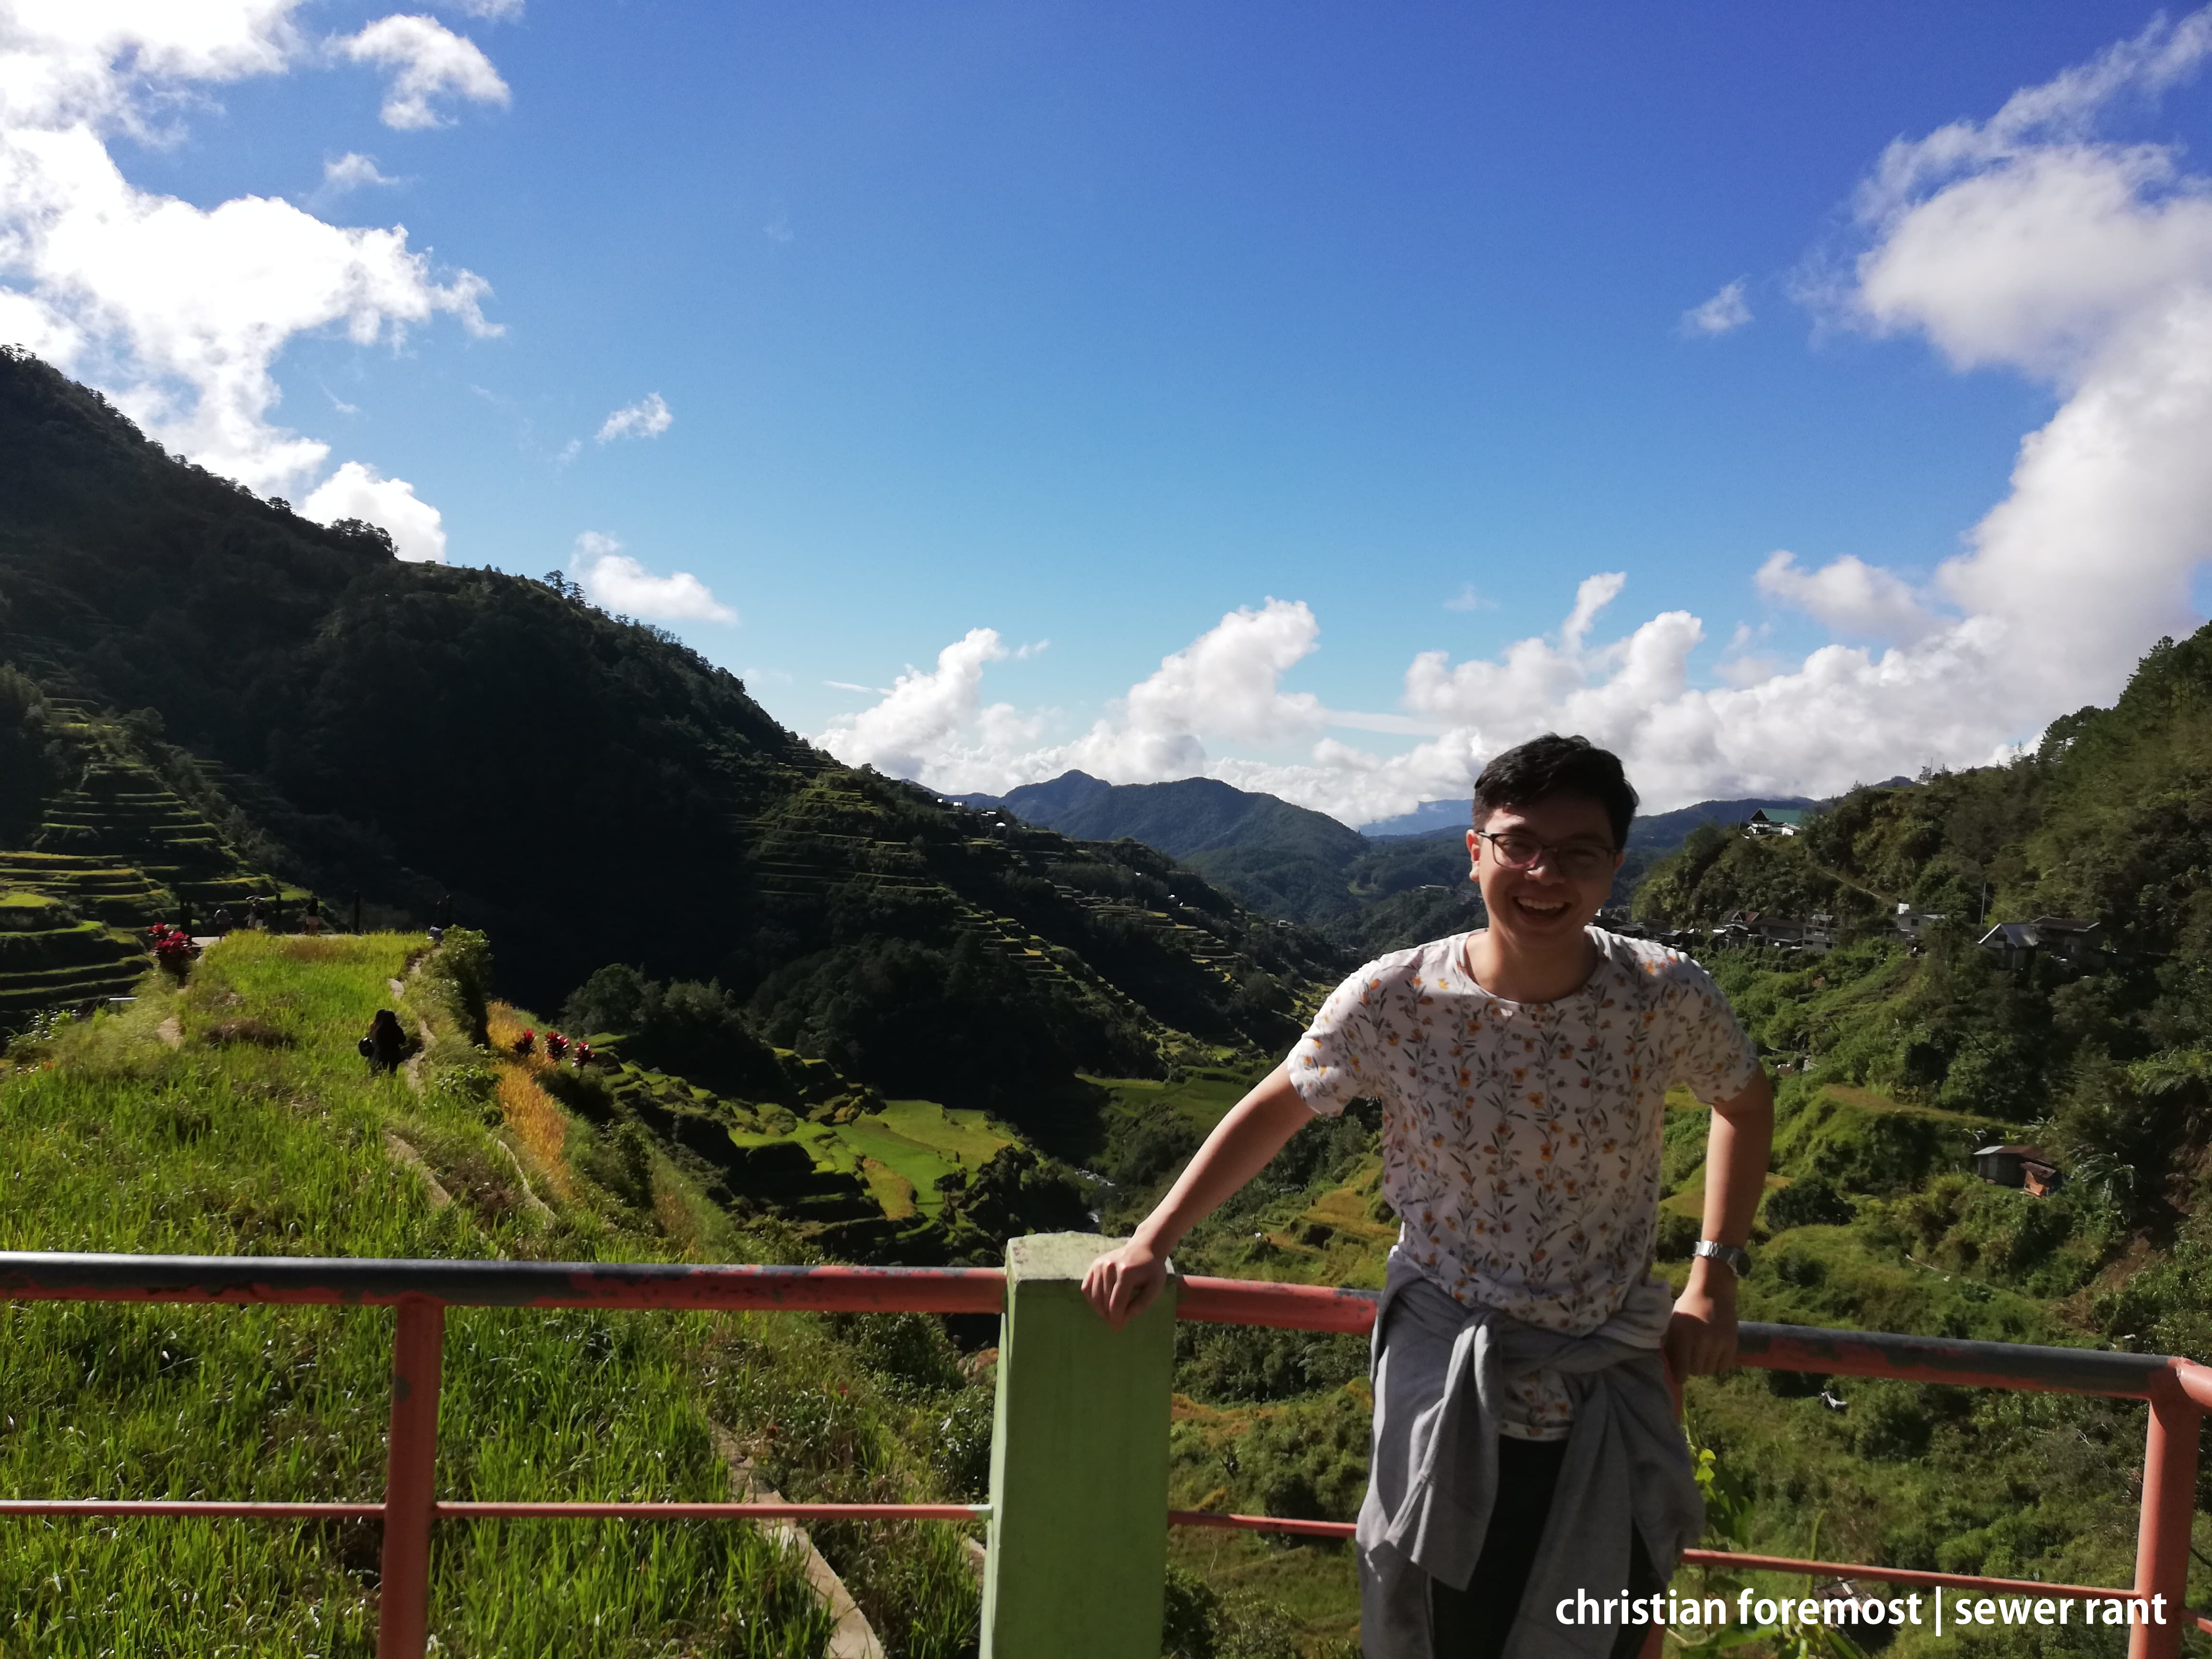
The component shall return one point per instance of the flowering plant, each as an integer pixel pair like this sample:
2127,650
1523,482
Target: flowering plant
172,946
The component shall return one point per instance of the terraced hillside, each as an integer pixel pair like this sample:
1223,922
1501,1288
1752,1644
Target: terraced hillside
582,787
49,958
114,851
231,1114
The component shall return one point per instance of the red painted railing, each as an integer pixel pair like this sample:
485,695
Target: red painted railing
2177,1391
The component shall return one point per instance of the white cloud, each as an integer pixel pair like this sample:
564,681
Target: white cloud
1847,596
647,418
176,312
352,171
1595,593
1225,685
1725,313
355,491
907,732
427,62
616,582
496,11
2029,244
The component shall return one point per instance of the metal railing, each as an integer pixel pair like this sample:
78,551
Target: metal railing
2177,1392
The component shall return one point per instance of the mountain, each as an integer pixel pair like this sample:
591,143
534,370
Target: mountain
1431,817
1189,816
1447,820
1370,892
581,787
1285,861
1662,832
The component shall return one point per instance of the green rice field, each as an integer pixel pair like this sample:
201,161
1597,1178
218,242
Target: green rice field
233,1116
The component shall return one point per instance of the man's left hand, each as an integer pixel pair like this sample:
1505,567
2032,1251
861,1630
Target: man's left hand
1700,1338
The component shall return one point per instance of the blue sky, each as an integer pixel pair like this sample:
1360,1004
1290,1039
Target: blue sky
1094,326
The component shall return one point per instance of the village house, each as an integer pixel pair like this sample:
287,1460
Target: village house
2026,1167
2063,938
1775,821
1783,933
1912,923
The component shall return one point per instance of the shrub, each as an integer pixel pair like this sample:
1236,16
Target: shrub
1808,1202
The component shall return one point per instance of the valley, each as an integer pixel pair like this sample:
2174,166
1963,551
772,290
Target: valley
836,1017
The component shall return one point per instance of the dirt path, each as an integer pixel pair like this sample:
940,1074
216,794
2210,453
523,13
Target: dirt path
403,1153
853,1638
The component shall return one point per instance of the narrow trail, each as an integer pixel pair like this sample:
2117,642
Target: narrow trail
852,1637
405,1154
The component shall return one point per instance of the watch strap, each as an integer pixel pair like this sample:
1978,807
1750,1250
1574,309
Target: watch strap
1737,1258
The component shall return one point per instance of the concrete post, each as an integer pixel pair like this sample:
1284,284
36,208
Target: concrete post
1078,1465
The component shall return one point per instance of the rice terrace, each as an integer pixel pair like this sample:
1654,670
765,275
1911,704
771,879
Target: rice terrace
1105,832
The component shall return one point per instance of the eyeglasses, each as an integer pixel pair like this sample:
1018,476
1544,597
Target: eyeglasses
1576,861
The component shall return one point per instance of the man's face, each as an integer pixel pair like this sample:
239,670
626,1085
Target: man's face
1544,903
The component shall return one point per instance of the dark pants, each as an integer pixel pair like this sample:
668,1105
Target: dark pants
1472,1623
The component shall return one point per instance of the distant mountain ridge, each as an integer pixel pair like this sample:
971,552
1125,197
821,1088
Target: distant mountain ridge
1185,817
1371,892
1654,831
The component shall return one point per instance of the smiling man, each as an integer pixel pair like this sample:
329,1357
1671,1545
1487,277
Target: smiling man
1527,1469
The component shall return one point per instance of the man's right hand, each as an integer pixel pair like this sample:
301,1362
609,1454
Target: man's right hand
1124,1282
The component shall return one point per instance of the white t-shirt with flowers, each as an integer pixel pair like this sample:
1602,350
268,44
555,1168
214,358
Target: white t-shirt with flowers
1520,1141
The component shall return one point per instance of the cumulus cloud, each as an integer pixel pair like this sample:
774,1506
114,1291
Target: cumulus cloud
647,418
427,62
1725,313
1848,596
2028,243
176,312
925,710
355,491
613,580
352,171
1226,685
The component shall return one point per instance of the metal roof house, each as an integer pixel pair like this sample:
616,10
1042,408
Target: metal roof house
2064,938
1775,821
2027,1167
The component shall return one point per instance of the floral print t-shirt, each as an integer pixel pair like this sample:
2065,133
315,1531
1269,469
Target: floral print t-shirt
1520,1141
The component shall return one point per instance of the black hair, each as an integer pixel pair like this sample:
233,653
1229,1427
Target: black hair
1553,765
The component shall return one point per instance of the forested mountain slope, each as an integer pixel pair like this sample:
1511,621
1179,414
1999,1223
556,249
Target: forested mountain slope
2109,822
1285,861
584,788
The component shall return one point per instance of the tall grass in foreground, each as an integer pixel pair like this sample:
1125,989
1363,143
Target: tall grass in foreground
262,1133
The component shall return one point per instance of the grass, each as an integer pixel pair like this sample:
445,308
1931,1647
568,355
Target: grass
920,1141
1202,1097
263,1134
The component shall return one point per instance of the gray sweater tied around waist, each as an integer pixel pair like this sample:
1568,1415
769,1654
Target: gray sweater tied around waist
1439,1371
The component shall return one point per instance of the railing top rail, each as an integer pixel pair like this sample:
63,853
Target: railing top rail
56,1276
1948,1359
41,1276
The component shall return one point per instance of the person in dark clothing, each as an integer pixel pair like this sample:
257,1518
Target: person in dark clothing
386,1045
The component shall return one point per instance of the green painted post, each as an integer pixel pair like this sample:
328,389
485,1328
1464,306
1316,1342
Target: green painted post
1078,1465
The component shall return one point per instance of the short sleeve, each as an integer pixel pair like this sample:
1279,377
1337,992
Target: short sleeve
1708,1049
1334,1063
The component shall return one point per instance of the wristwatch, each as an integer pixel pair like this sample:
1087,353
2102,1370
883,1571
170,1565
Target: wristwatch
1737,1258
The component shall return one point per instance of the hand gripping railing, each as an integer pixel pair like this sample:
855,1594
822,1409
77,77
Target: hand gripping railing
2177,1392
